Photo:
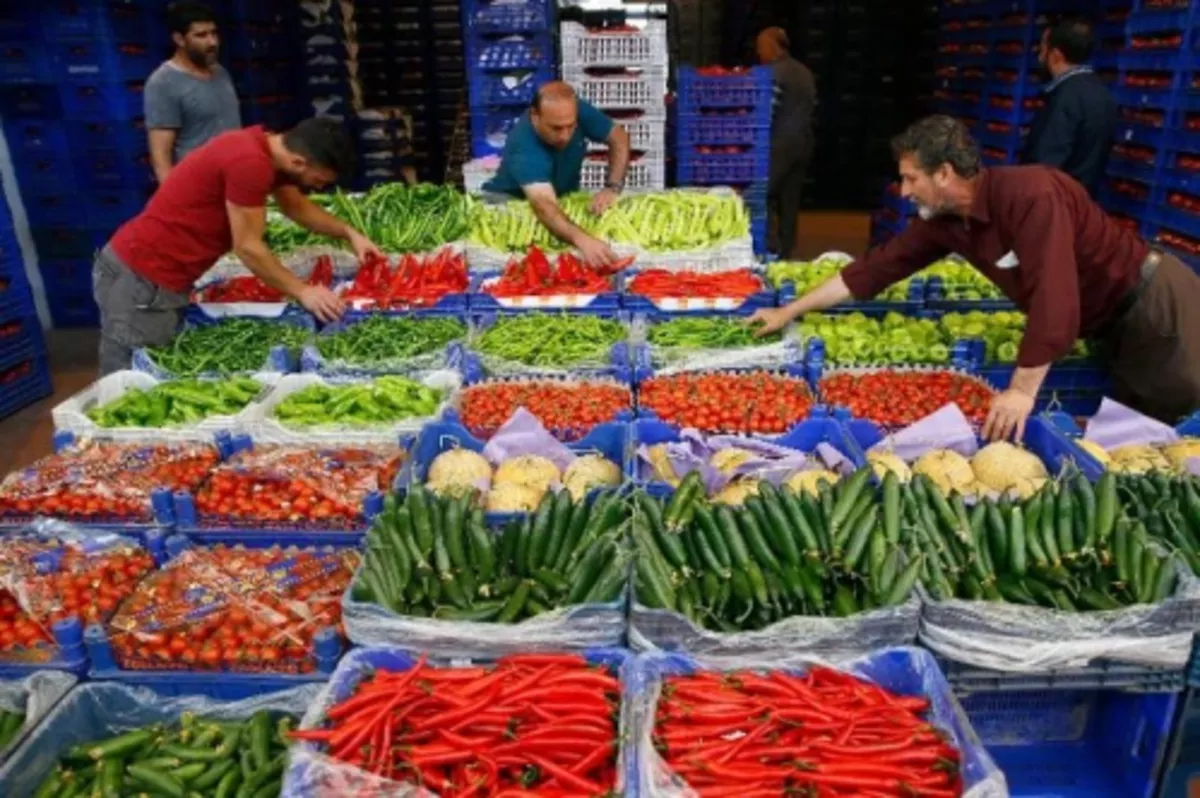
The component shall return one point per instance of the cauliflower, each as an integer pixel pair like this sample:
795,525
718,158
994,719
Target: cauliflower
1138,459
1004,468
1181,450
529,470
883,462
510,497
590,471
810,481
949,471
727,460
456,470
735,493
663,470
1096,451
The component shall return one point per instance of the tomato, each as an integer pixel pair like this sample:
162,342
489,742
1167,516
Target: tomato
743,402
899,398
569,409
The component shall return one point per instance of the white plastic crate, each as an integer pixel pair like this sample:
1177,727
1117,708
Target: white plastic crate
645,174
478,171
645,133
645,92
642,49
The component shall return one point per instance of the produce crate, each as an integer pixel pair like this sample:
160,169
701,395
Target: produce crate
26,389
35,138
1100,675
91,61
97,20
497,17
694,129
621,93
36,101
1075,742
481,301
584,48
695,168
312,362
362,662
34,696
452,416
511,89
818,428
26,62
752,89
647,133
695,306
279,360
646,173
55,207
511,53
935,299
66,654
103,101
112,208
47,172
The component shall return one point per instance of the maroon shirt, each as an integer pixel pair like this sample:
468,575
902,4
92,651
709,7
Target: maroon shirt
1069,264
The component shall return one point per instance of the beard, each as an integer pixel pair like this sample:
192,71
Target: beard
202,58
926,212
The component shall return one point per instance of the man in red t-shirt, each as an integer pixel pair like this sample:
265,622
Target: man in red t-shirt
213,202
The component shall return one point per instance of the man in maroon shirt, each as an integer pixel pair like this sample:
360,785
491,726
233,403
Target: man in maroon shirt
214,202
1035,233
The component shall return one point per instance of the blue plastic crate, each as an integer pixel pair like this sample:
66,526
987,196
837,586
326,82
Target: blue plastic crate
68,242
52,208
1155,60
114,169
103,101
611,440
507,89
1181,140
1122,205
112,208
92,61
26,348
46,172
67,653
694,168
1158,20
490,128
754,88
526,16
819,427
34,101
1143,98
257,42
1094,743
36,138
362,662
26,62
73,309
510,53
1100,675
1177,220
108,21
693,129
26,390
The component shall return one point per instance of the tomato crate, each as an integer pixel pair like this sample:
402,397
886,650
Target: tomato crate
1174,219
1149,19
192,521
16,301
821,427
1134,97
26,62
497,17
66,653
611,440
1094,743
718,129
308,770
753,89
621,415
644,93
52,207
642,48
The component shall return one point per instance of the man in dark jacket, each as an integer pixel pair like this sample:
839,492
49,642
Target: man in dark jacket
791,131
1074,130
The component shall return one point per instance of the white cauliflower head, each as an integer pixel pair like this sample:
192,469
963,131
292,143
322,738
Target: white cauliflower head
883,462
510,497
1005,468
949,470
590,471
456,470
528,469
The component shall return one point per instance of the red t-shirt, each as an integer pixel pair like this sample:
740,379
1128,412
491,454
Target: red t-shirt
184,228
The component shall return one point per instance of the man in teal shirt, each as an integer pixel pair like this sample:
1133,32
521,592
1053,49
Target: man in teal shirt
544,154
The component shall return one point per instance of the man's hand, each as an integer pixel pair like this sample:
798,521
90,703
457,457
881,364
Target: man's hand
1007,417
603,201
769,320
596,253
322,303
361,245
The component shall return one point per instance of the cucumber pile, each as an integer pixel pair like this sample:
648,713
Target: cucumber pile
1066,548
782,554
1167,507
197,757
435,557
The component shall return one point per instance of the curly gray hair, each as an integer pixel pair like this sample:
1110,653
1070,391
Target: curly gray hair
936,140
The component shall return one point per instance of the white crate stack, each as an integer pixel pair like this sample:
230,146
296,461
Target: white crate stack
623,73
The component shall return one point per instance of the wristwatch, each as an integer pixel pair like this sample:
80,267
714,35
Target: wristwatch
612,186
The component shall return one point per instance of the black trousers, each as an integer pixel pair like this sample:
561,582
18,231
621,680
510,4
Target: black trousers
783,202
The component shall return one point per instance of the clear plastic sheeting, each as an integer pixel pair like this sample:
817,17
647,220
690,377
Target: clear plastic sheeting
34,697
656,629
907,671
98,710
1022,639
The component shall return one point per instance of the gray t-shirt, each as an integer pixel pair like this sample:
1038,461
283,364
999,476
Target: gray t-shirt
196,107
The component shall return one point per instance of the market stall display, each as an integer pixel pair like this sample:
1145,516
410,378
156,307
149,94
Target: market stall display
747,402
383,344
250,289
897,398
687,290
229,346
569,408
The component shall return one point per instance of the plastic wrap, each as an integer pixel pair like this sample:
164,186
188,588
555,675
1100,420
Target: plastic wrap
270,344
34,697
672,360
299,261
907,671
1023,639
192,614
56,571
103,481
99,710
297,487
446,355
72,414
312,774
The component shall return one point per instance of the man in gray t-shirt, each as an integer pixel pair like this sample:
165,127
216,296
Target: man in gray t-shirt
190,98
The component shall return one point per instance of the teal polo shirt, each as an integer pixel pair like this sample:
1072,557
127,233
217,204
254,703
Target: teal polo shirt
528,160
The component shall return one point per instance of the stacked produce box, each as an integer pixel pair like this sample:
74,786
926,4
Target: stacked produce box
1151,173
331,57
509,53
622,70
24,372
891,217
258,46
72,78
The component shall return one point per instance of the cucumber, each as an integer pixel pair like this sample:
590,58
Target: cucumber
779,527
891,508
1017,563
705,524
728,525
753,535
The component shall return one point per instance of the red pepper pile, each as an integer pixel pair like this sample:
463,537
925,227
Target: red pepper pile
660,283
571,409
233,609
296,486
825,733
249,288
535,276
84,586
728,402
527,726
418,280
899,398
103,481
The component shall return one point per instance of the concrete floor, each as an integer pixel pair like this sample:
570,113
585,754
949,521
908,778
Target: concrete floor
26,435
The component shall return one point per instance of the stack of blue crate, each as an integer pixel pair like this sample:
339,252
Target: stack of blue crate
258,46
323,87
724,136
509,53
71,78
24,373
891,217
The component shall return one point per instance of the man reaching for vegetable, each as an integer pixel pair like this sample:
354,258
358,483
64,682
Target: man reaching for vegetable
543,156
213,202
1037,234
